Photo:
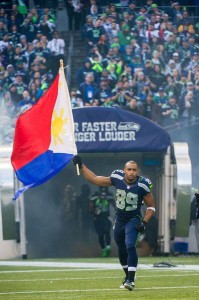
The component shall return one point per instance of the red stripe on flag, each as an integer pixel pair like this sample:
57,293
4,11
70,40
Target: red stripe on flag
33,129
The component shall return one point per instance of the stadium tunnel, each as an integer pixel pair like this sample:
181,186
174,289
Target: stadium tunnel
106,138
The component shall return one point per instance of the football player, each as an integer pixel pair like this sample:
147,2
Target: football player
131,191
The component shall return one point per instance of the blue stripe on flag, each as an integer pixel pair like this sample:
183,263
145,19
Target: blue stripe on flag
42,167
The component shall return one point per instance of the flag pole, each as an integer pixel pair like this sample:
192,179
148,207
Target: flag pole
62,68
61,64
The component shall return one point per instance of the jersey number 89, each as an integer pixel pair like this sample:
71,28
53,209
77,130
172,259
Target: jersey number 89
126,201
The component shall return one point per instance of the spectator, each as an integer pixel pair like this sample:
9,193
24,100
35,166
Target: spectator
176,11
18,16
145,51
24,43
132,8
82,72
56,46
177,61
94,13
35,92
120,96
86,27
115,65
148,68
133,107
28,28
97,66
26,100
171,88
124,36
103,94
9,52
103,45
127,74
150,33
151,110
87,89
3,16
171,46
194,61
9,76
93,35
161,97
113,30
46,27
158,78
20,86
19,60
142,81
187,103
171,67
127,55
6,106
38,54
157,60
141,26
170,112
4,42
185,51
12,21
3,29
75,98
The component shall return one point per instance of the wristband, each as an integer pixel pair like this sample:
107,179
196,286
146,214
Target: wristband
151,208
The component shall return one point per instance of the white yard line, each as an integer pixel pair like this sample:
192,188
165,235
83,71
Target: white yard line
98,290
95,278
107,266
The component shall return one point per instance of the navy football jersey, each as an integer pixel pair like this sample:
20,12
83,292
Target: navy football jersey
129,197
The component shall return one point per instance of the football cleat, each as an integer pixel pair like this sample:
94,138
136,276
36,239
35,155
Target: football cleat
129,285
108,250
123,282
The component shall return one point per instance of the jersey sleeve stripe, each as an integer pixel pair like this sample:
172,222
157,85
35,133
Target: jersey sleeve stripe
144,186
117,176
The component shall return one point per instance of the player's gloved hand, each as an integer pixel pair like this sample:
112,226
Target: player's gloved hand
141,227
77,161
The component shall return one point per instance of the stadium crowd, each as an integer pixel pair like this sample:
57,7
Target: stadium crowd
142,59
30,50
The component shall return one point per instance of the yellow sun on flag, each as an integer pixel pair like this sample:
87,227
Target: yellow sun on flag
57,127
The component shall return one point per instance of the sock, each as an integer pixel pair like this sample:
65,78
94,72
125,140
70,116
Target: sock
131,276
125,268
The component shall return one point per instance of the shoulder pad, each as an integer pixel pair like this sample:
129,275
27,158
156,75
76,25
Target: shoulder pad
117,174
145,181
121,172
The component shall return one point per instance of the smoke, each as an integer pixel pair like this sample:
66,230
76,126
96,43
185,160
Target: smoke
53,224
43,223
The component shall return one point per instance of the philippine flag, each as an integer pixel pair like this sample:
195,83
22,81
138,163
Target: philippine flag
44,140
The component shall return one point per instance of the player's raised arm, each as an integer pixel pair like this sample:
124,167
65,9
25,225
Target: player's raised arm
150,203
89,175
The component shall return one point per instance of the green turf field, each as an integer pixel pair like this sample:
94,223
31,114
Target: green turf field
87,281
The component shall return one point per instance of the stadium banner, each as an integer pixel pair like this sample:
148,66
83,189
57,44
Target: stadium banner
44,140
102,129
